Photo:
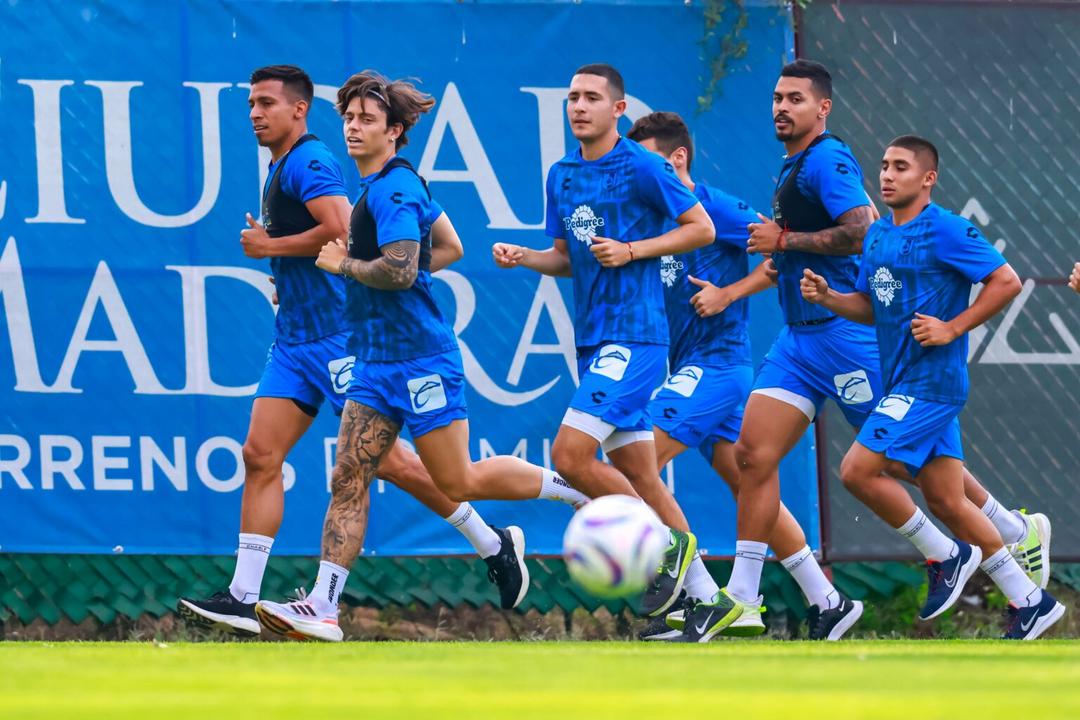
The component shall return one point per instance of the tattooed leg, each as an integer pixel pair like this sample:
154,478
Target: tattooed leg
366,435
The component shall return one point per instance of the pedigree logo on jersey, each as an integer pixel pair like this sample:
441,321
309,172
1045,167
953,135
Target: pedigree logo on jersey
670,267
583,224
885,286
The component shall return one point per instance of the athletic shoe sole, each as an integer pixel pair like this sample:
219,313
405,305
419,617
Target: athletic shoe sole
966,571
1045,622
518,537
669,635
295,629
846,622
234,624
688,557
1042,529
748,624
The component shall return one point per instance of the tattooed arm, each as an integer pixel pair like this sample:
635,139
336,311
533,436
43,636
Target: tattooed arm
395,270
844,238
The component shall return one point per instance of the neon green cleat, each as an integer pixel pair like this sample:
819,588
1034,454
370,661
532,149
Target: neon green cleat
665,588
704,621
748,624
1033,552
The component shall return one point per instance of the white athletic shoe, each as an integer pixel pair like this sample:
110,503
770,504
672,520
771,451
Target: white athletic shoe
298,619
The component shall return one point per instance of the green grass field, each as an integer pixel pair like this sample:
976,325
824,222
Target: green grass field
975,680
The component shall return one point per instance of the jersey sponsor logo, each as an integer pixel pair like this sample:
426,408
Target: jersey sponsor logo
885,286
853,388
427,393
341,373
670,267
895,406
611,361
685,381
583,224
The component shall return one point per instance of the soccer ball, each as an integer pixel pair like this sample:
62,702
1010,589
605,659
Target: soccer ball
613,546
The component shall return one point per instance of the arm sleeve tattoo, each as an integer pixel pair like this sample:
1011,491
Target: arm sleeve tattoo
395,270
845,238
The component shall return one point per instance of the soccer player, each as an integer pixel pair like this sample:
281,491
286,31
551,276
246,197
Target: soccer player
821,213
701,403
610,205
914,281
304,207
1074,278
408,369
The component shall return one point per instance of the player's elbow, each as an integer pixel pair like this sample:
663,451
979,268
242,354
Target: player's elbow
704,233
1010,281
404,280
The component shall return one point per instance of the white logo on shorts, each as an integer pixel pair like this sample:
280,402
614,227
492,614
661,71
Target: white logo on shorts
685,381
853,388
611,361
427,393
341,373
895,406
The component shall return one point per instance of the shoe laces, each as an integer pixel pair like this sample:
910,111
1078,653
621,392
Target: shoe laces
1012,618
935,571
299,595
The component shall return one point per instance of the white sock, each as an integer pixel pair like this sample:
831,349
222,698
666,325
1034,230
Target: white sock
699,583
1011,527
251,555
804,567
328,588
553,487
927,539
1010,579
468,522
745,579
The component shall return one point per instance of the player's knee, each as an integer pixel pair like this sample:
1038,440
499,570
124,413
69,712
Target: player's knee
567,459
942,505
262,464
852,475
459,487
754,464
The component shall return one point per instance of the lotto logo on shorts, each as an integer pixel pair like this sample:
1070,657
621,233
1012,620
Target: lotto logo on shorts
895,406
853,388
611,361
685,381
427,393
341,373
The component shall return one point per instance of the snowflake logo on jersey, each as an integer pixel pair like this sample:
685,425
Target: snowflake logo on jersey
583,224
670,268
885,286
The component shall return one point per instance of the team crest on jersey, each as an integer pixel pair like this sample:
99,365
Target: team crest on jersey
885,285
583,224
670,267
341,373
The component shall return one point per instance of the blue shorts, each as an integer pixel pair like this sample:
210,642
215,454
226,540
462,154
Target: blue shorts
421,394
700,405
308,372
837,359
617,380
913,431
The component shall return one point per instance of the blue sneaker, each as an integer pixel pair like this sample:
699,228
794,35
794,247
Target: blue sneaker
947,579
1028,623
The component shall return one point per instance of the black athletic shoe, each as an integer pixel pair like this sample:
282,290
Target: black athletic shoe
507,569
1028,623
703,621
220,611
832,624
668,626
668,583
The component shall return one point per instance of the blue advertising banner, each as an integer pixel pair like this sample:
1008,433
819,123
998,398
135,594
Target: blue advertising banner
133,329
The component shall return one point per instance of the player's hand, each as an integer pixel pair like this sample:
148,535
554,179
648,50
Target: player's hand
331,255
930,331
507,255
710,300
764,236
273,295
814,288
770,270
254,240
1074,278
610,253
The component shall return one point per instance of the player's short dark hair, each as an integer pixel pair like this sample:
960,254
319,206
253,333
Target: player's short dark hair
815,72
609,73
667,129
924,149
292,78
402,102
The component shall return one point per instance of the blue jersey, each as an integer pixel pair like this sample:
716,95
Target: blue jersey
830,180
391,325
629,194
927,266
721,339
310,301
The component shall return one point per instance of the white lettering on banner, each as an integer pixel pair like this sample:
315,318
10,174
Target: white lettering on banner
119,167
16,466
49,152
51,466
3,198
17,316
102,463
175,471
547,297
202,464
103,291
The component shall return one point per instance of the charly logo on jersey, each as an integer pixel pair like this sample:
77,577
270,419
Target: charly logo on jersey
583,224
853,388
341,373
895,406
611,361
685,381
670,267
427,393
885,286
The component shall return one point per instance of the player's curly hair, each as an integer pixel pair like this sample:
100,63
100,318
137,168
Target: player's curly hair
402,102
